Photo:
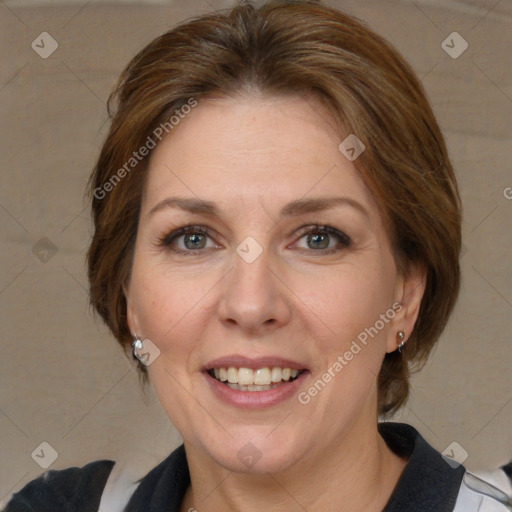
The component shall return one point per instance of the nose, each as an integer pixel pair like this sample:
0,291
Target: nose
254,298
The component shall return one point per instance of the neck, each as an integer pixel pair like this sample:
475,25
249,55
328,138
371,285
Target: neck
359,472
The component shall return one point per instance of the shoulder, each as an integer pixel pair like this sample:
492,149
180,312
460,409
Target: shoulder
74,489
429,481
432,481
487,492
164,486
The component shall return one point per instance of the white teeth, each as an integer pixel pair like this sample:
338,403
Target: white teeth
245,376
277,375
261,379
232,375
238,387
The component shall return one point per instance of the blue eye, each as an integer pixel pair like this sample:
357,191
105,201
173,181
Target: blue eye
188,239
323,239
194,240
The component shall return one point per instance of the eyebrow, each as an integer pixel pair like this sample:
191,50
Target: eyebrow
292,209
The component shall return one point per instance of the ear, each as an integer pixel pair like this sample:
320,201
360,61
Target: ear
408,293
131,318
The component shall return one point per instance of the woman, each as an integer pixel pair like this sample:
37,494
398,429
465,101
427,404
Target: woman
277,234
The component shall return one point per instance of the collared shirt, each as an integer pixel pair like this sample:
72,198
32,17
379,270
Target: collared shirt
429,483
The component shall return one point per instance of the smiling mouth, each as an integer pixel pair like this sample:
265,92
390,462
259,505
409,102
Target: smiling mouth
260,379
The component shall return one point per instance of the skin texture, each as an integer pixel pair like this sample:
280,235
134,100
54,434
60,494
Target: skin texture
252,155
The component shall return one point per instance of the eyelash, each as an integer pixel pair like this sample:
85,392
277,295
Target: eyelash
344,240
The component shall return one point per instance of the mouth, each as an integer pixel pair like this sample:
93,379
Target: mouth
254,379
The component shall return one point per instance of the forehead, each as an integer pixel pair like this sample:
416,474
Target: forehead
254,149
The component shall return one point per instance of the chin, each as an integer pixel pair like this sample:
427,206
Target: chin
260,453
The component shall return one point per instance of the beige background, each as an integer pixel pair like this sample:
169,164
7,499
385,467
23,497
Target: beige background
63,379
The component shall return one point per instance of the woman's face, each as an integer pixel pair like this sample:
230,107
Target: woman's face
285,263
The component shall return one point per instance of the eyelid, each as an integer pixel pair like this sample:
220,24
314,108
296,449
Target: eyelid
345,240
169,238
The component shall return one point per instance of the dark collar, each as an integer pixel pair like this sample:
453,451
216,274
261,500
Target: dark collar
427,484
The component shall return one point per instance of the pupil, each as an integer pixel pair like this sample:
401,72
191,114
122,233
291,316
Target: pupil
195,241
320,241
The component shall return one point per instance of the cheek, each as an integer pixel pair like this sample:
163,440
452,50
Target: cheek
349,300
348,328
344,316
170,309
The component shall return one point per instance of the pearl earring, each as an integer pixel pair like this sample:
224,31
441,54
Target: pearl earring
400,336
136,346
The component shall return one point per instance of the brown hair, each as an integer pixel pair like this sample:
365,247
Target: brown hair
290,48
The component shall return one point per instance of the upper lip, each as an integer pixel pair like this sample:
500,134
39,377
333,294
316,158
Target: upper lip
239,361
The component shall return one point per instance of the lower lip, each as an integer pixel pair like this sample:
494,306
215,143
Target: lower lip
255,399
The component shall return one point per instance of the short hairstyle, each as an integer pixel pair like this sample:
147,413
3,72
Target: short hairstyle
289,48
